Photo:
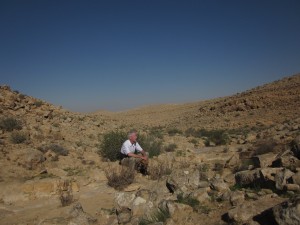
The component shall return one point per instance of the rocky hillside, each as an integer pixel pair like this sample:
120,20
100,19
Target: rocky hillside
231,160
268,104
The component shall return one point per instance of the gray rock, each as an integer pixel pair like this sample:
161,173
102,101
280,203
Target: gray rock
79,217
288,213
296,147
218,184
247,177
281,178
264,160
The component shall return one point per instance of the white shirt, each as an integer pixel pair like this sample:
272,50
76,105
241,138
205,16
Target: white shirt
127,147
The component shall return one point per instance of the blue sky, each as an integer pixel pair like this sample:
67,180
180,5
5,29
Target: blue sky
116,55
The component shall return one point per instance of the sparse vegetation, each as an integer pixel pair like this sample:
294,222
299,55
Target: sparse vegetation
10,124
161,215
119,178
58,149
170,147
156,132
18,137
188,200
38,103
74,171
174,131
219,137
194,141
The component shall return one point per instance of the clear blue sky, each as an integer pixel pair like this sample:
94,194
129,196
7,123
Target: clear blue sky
88,55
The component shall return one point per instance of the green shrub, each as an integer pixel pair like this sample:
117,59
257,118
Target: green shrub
219,137
161,215
10,124
119,178
174,131
38,103
18,137
111,144
170,147
151,144
188,200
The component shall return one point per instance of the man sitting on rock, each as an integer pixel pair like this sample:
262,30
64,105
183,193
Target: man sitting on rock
133,155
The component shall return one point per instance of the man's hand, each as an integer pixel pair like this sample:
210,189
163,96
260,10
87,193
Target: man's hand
144,157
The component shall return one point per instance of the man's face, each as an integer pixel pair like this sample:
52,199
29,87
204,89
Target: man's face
133,137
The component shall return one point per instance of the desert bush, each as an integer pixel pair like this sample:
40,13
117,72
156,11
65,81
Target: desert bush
38,103
119,178
74,171
194,141
18,137
264,147
151,144
171,147
219,137
157,170
111,145
160,215
10,124
174,131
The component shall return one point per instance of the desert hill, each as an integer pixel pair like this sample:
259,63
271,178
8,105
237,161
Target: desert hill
229,160
267,104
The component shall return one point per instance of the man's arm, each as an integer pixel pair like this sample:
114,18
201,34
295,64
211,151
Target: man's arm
143,156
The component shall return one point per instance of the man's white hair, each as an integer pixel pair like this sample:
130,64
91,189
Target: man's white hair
131,132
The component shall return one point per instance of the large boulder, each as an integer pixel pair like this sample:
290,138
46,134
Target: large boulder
218,184
183,181
288,213
247,177
281,178
296,146
250,210
264,160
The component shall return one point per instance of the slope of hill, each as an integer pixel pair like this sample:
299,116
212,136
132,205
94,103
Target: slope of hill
268,104
49,160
